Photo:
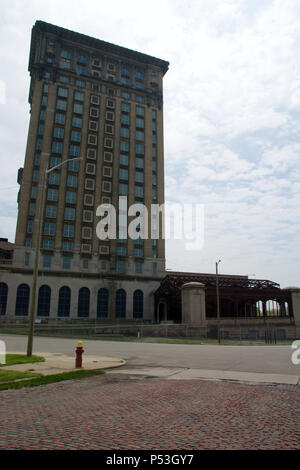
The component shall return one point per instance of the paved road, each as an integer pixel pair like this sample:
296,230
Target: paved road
113,412
258,359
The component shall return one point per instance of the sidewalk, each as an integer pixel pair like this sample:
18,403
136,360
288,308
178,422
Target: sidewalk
56,363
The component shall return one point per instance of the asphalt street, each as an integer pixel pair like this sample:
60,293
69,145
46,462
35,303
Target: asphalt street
267,359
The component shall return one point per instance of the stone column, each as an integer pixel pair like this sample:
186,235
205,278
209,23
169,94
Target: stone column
295,294
193,304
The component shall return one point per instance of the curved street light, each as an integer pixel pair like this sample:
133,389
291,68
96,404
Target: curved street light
37,257
218,303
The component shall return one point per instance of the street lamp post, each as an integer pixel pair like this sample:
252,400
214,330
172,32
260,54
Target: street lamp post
218,303
37,257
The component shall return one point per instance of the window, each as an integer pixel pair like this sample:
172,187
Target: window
94,112
47,261
123,174
139,177
35,176
80,83
125,107
121,251
49,228
89,184
62,92
126,95
69,213
27,258
52,195
140,98
43,309
32,208
139,163
108,129
140,110
108,157
140,136
54,178
51,212
87,233
110,104
70,197
66,262
22,300
88,200
39,144
123,189
29,226
138,301
48,244
81,69
74,150
63,79
90,168
125,132
102,303
93,126
83,302
44,100
108,143
61,105
60,118
57,147
64,301
77,122
107,171
3,297
69,231
154,181
106,187
138,267
123,159
140,123
92,139
58,132
33,192
125,119
79,96
92,153
87,216
109,116
124,146
138,252
78,108
95,99
139,191
67,246
73,165
140,149
121,299
76,136
154,268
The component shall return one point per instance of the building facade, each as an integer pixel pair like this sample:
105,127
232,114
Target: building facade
95,141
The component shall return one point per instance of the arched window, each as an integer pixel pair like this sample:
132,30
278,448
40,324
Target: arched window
43,309
120,303
3,297
83,302
102,303
138,304
22,301
64,301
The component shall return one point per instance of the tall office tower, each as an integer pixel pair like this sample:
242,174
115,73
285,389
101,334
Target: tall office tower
99,108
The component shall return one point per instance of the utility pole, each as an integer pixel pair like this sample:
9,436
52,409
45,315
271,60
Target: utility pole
218,303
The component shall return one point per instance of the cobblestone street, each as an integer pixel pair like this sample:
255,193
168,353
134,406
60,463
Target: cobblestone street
113,412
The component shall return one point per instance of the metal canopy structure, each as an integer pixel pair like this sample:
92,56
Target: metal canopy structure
239,296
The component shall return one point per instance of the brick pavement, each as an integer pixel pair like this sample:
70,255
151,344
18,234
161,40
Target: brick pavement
113,412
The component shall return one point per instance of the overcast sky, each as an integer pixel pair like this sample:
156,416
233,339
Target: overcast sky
231,117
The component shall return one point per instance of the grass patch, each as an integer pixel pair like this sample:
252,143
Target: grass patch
12,359
11,375
48,379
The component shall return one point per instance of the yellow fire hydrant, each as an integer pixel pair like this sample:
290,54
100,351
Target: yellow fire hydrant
79,351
